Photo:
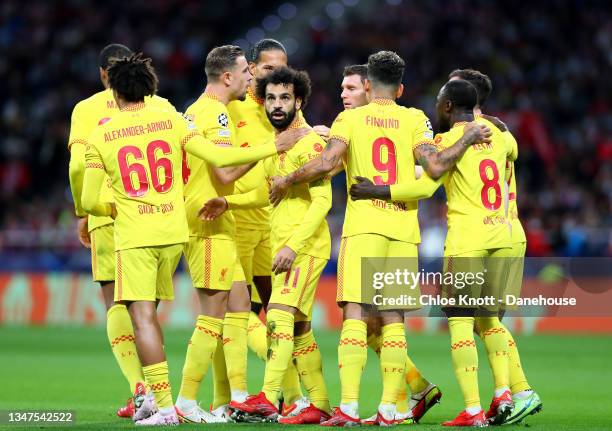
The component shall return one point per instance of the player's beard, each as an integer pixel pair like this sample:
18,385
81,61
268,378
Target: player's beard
281,124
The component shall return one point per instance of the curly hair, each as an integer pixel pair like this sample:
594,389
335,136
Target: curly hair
386,68
286,75
132,77
478,79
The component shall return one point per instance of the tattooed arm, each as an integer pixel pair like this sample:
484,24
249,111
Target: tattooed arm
435,163
311,171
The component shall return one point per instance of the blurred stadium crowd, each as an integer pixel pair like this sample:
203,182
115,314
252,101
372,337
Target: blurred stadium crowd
550,62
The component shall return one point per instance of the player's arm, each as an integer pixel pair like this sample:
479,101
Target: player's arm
422,188
435,163
215,207
194,143
313,170
337,144
231,174
92,183
76,173
321,202
77,142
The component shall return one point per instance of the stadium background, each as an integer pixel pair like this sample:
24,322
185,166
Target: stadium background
550,63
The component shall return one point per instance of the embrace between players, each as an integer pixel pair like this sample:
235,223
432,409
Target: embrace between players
158,184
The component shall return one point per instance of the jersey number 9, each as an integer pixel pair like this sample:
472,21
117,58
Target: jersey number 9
158,167
389,166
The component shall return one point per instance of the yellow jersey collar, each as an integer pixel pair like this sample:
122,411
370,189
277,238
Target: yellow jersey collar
383,101
251,94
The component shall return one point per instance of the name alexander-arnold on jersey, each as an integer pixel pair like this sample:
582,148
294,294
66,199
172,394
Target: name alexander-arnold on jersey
137,130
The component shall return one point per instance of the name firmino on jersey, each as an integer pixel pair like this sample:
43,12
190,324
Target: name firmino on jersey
385,123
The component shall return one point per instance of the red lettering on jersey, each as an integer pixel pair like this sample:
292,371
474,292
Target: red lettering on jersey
318,147
384,123
244,145
241,124
110,104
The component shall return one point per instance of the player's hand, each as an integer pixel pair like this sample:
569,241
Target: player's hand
83,232
287,139
213,209
476,132
278,190
113,210
363,189
498,123
322,131
283,260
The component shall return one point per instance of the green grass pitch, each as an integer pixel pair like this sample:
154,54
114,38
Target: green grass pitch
73,368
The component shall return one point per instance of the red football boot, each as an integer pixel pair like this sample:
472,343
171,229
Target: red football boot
424,401
464,419
340,419
256,406
500,408
309,415
126,411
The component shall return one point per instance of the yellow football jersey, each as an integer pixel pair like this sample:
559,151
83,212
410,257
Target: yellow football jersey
140,150
252,128
87,114
518,233
213,121
299,219
381,137
475,193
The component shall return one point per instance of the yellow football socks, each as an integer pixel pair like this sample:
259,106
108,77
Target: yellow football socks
156,376
200,351
307,357
280,334
291,388
495,339
465,358
221,387
235,347
121,337
518,381
352,356
256,336
392,361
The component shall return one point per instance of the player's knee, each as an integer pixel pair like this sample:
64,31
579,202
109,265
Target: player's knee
143,314
458,312
392,316
108,293
352,310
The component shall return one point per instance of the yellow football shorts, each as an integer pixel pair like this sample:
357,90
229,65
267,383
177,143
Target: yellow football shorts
103,253
213,263
145,273
255,256
297,288
482,277
354,248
